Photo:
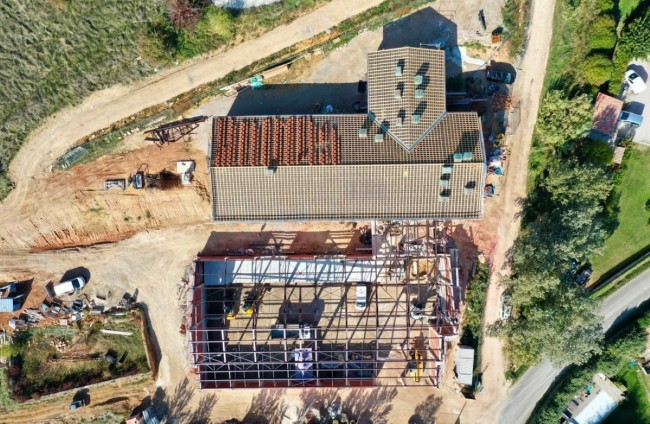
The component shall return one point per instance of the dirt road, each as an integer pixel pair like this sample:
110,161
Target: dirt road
528,89
121,396
103,108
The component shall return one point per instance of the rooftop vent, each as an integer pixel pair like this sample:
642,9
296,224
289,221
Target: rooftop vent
468,156
417,80
443,182
446,169
415,118
399,121
379,138
419,93
444,196
469,187
458,157
398,71
363,132
398,94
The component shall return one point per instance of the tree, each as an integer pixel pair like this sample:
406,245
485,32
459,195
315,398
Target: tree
596,152
561,119
563,327
602,33
597,69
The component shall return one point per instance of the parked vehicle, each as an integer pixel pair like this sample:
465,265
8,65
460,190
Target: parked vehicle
634,81
70,286
504,77
583,277
631,118
77,404
361,298
506,307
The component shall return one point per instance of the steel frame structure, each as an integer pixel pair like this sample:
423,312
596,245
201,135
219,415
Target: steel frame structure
313,335
174,131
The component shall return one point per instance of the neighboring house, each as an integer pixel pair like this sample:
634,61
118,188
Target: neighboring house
407,158
465,365
10,301
594,403
605,123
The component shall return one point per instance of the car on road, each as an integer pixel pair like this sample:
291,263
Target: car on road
504,77
70,286
634,81
506,307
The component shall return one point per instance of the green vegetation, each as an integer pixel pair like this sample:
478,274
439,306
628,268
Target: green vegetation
636,407
634,43
52,359
602,33
473,316
614,361
564,223
633,232
597,68
586,63
184,32
516,15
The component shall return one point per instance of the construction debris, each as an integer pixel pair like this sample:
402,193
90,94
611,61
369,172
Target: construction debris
174,131
502,101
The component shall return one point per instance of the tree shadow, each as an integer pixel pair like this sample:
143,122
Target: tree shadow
76,272
370,406
83,395
176,407
315,399
425,412
267,407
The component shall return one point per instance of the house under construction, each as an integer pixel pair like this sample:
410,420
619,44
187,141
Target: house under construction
407,158
381,318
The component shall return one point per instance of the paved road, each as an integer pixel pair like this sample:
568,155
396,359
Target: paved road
532,386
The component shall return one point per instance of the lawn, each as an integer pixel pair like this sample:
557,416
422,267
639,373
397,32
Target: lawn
626,7
636,408
51,359
633,231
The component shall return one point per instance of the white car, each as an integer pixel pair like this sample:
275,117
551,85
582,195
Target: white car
506,307
634,81
70,286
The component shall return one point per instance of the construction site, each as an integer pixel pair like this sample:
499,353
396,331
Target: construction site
381,318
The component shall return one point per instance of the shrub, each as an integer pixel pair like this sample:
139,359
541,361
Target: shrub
597,69
597,152
602,33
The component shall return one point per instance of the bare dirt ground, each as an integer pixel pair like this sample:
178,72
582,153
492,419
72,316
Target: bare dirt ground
72,208
120,397
155,260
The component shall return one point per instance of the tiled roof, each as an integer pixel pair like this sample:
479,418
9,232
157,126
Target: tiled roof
406,91
357,166
607,110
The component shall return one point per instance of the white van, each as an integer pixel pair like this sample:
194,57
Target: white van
361,298
70,286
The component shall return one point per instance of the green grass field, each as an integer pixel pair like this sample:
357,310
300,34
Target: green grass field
633,231
627,6
636,408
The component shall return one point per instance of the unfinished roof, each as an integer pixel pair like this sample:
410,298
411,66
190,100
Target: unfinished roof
607,110
356,166
406,91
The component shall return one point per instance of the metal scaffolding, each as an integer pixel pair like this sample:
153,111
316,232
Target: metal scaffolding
264,329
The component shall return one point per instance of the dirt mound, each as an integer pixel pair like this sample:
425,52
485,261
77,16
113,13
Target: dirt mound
71,208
